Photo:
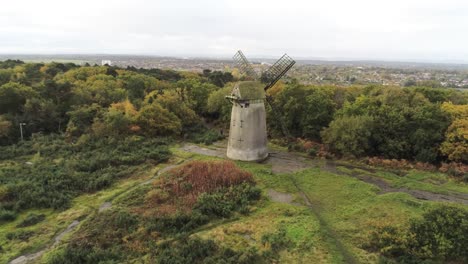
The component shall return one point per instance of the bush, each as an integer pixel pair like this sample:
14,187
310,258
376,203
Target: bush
197,177
22,235
83,254
227,200
177,224
62,170
195,250
440,235
7,215
31,219
276,241
349,135
208,137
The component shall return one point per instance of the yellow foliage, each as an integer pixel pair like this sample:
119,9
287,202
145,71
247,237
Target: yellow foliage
455,145
455,111
125,107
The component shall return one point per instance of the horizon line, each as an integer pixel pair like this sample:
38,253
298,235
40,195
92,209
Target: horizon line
269,57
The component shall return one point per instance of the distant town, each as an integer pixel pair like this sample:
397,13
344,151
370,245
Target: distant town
306,71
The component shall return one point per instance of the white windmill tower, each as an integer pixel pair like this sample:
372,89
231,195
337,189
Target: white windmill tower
247,134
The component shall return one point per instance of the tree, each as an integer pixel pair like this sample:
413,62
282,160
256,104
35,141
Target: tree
406,124
101,89
5,126
218,106
349,135
5,76
306,109
455,145
155,120
13,97
170,101
119,119
81,118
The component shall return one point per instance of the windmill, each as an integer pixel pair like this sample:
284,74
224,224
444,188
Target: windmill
247,134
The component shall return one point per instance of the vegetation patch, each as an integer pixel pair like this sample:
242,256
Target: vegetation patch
59,171
184,199
441,235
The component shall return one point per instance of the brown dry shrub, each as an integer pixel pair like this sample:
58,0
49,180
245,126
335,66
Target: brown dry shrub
454,168
199,176
180,188
400,164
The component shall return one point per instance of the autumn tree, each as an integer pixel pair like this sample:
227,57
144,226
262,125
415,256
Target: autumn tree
455,146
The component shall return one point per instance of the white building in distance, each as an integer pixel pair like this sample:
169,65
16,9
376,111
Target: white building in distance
104,62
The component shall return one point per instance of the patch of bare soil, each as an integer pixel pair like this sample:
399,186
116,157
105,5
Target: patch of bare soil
280,197
284,162
213,152
287,162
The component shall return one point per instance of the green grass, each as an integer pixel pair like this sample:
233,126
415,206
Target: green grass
351,207
332,229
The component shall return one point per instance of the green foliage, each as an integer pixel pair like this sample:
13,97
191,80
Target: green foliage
83,254
155,120
31,219
349,135
306,110
440,235
206,137
227,200
218,106
276,241
22,235
7,215
5,126
405,124
218,78
13,96
195,250
220,204
52,180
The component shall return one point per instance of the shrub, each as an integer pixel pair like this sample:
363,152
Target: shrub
31,219
65,170
349,135
23,235
195,250
83,254
7,215
198,177
207,137
227,200
440,235
276,241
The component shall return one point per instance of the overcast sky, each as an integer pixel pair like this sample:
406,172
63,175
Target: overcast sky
422,30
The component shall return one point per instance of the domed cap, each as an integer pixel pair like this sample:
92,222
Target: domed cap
248,90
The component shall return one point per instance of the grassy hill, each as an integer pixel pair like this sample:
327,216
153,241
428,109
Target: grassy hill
309,210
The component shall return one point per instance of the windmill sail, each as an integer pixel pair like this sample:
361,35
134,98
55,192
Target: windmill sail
244,65
277,70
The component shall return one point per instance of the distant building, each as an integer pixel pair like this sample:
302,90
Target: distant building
104,62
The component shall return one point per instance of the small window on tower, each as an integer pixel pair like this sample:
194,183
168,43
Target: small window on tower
247,105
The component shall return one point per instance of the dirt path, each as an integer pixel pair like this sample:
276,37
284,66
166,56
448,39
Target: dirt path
30,257
385,187
286,162
103,207
280,197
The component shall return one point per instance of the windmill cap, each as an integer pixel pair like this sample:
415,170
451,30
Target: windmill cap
249,90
